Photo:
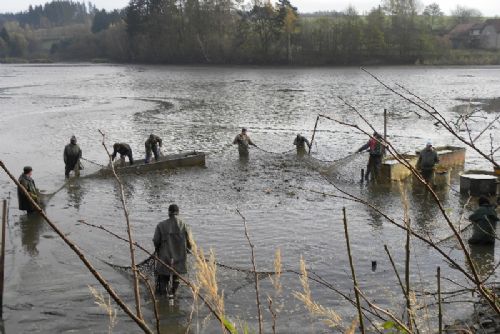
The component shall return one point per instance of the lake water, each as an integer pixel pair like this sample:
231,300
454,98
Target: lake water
203,108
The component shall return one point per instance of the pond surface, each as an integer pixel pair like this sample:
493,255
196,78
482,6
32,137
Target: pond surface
203,108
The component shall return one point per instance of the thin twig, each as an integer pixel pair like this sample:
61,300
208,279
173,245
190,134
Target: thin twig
256,277
353,273
395,269
153,298
129,232
440,309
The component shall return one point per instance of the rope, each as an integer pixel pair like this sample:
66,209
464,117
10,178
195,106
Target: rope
92,162
277,153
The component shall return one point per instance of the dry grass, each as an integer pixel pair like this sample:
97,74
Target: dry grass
206,278
327,315
278,269
106,306
352,327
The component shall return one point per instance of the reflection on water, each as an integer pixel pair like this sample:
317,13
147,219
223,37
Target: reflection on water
32,226
483,257
75,194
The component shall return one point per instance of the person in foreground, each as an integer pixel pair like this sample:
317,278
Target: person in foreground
124,150
374,146
153,145
172,243
72,155
484,221
300,142
29,184
243,141
427,160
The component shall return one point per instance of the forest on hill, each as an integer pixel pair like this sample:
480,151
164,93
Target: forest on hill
237,32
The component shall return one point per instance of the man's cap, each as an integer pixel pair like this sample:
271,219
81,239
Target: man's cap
243,129
151,135
429,142
27,169
173,208
73,138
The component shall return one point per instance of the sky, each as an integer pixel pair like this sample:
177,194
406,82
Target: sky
487,7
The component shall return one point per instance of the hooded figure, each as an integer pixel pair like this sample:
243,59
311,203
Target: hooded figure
72,156
376,152
300,142
29,184
153,145
171,240
485,223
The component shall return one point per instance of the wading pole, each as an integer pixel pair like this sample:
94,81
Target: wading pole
385,128
314,132
440,309
2,255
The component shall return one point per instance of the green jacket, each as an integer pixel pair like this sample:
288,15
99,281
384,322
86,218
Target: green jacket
72,155
427,159
171,240
485,222
28,183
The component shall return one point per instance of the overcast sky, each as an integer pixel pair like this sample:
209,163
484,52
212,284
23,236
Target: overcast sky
487,7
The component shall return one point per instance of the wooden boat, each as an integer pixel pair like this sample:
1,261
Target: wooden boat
449,157
187,159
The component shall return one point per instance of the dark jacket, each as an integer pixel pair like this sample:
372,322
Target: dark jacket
152,142
171,240
28,183
485,222
300,142
374,146
72,155
123,149
427,159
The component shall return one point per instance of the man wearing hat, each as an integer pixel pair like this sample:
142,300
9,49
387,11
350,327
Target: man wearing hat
243,141
427,160
27,182
152,145
172,242
72,155
374,146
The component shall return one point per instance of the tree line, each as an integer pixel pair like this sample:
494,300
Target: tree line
238,32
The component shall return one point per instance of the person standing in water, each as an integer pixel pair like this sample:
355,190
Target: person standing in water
243,141
28,183
72,156
300,142
172,243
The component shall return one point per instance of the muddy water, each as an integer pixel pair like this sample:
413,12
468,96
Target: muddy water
203,108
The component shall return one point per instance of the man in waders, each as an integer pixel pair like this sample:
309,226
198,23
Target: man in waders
374,146
300,142
124,150
171,240
153,145
29,184
72,156
427,160
484,221
243,142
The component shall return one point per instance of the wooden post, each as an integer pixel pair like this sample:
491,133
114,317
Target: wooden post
362,175
2,255
440,310
314,133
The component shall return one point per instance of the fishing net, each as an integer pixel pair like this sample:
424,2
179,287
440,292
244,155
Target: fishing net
347,168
